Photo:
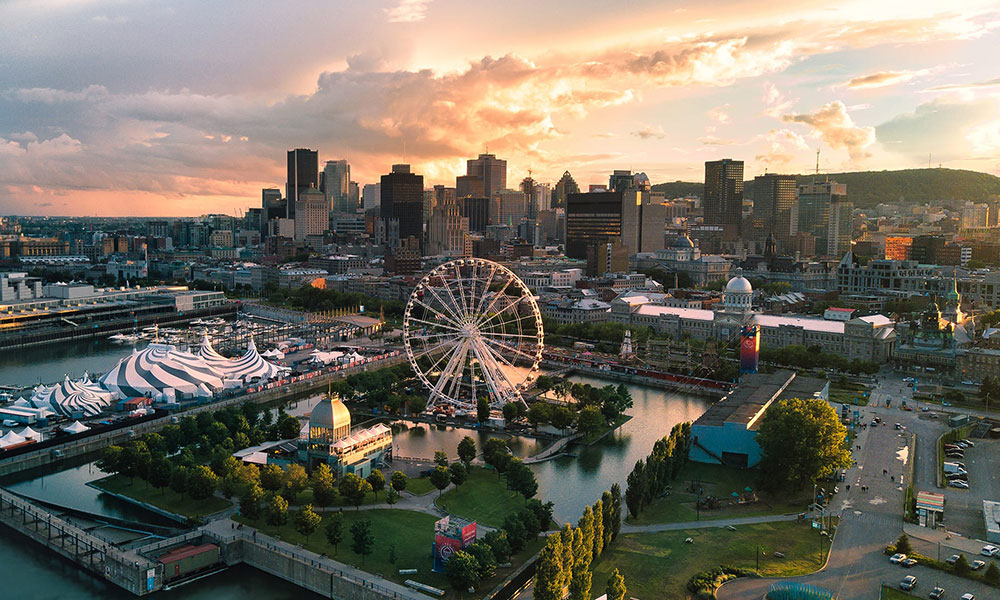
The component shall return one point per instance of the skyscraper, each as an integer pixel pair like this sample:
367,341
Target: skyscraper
312,214
336,179
620,181
566,186
371,195
402,199
477,210
723,200
825,213
303,173
601,217
484,176
775,206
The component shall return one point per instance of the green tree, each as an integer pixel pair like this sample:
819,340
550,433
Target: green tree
544,383
580,583
549,570
590,420
440,478
321,481
903,544
179,480
306,521
482,409
202,483
566,548
271,477
335,530
521,479
509,411
398,481
616,509
499,544
616,586
585,553
961,566
607,506
250,501
391,496
354,489
441,458
517,536
277,511
992,574
293,481
598,512
539,413
288,428
458,473
462,570
362,538
377,480
496,454
160,470
562,417
801,441
467,450
483,554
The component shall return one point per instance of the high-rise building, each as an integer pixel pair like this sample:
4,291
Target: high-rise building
312,214
477,210
508,207
598,217
272,204
529,187
825,213
447,229
775,206
335,185
467,186
723,199
898,248
566,186
491,170
402,199
371,196
621,181
303,174
975,215
353,195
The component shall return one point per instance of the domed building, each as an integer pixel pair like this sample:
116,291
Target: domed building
738,295
328,439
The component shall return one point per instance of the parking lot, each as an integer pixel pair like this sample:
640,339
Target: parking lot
963,509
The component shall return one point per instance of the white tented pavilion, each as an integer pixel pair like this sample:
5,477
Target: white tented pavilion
162,371
248,367
70,397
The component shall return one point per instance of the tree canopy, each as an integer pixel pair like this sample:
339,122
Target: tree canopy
801,441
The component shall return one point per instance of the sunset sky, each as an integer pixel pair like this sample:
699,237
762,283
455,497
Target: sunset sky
187,107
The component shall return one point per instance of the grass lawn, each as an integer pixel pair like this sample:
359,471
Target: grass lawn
659,565
719,481
891,593
483,497
418,486
846,392
306,497
167,499
411,532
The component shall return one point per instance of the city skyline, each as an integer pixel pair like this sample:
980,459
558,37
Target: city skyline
149,108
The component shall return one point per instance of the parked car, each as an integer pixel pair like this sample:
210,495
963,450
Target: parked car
909,562
989,550
957,477
958,483
977,564
897,558
968,443
937,593
908,582
968,597
952,559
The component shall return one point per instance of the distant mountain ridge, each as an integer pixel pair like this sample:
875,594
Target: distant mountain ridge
868,188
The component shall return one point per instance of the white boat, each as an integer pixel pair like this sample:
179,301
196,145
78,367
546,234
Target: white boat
199,322
215,322
124,338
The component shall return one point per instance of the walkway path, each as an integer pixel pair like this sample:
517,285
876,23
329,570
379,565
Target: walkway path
552,451
626,528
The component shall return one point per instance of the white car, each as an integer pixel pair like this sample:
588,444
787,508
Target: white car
989,550
897,558
958,483
908,582
977,564
968,597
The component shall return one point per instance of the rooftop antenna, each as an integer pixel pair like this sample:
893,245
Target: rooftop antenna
817,162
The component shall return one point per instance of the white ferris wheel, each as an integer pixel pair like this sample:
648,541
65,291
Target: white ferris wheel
472,329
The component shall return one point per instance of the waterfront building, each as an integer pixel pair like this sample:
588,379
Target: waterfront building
329,439
726,433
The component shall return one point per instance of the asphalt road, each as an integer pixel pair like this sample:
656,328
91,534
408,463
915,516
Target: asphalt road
872,519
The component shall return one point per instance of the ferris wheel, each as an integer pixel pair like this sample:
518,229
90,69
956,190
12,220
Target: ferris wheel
472,329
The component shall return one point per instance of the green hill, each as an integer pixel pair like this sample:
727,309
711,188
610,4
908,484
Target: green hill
868,188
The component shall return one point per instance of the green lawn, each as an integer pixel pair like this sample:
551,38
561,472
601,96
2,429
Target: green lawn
484,497
411,532
166,498
659,565
419,486
846,392
891,593
306,497
719,481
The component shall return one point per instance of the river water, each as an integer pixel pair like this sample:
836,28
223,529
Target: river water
569,482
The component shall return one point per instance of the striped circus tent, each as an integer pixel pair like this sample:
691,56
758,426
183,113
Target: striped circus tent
72,397
249,366
161,370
